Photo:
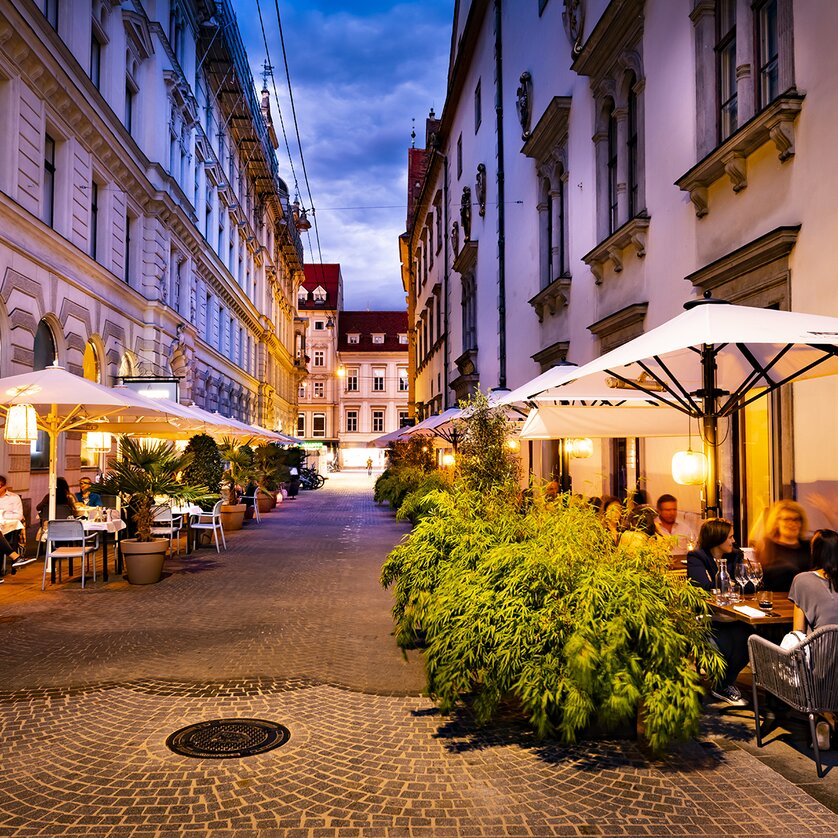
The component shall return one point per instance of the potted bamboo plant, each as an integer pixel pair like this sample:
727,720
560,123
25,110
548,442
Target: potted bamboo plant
239,458
144,470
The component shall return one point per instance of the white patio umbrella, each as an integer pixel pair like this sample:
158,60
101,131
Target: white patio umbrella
442,425
393,436
551,421
65,402
707,362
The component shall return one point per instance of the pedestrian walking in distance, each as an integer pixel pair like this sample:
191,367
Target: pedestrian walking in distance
369,466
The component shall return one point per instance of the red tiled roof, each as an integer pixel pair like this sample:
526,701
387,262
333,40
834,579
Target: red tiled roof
327,276
367,323
417,166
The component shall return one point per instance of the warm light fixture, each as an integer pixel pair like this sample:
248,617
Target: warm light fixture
448,460
98,441
513,444
689,468
580,448
341,372
21,424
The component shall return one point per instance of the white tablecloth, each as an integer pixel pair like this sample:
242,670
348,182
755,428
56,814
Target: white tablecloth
104,526
187,509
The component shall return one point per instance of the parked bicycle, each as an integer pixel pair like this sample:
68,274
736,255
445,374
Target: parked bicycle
311,479
333,466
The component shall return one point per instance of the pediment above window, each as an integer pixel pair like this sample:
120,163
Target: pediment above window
466,259
620,327
139,37
551,299
772,124
551,131
619,27
632,235
552,355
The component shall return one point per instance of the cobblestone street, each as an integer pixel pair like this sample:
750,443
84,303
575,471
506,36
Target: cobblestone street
291,625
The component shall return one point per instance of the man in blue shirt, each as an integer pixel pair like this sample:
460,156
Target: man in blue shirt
85,496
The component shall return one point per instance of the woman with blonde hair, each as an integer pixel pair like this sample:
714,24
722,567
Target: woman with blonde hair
784,551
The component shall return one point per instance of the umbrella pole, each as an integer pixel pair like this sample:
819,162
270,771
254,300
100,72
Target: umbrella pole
53,459
710,421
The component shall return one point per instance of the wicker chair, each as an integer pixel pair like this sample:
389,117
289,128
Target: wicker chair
805,678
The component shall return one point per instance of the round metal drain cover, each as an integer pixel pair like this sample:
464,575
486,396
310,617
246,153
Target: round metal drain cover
228,738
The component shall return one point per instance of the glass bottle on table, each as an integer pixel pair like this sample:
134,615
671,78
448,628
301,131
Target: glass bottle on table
722,583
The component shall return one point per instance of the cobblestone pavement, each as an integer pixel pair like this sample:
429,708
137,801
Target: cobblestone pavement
290,625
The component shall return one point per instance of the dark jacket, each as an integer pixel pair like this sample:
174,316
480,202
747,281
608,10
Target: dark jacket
702,567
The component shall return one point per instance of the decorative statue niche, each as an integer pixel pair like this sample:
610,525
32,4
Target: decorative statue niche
523,103
465,213
480,185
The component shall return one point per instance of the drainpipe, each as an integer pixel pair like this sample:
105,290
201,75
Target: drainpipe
445,280
501,214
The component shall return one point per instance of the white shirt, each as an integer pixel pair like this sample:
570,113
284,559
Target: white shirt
11,507
683,538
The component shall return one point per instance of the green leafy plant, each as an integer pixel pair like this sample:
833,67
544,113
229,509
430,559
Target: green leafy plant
144,470
538,606
239,458
205,467
415,451
269,469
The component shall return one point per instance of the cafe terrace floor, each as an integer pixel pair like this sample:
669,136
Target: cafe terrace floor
290,625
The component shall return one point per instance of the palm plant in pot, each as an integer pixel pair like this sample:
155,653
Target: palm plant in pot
269,471
146,469
239,458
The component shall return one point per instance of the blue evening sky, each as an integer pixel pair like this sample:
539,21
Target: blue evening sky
359,72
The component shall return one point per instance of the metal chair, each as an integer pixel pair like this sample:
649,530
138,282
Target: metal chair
66,540
254,499
805,678
210,521
168,525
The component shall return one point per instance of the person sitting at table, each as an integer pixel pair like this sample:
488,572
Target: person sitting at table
11,511
730,636
784,552
611,511
641,529
65,502
7,552
84,496
815,597
679,534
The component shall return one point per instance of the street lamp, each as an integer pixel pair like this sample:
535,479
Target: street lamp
341,372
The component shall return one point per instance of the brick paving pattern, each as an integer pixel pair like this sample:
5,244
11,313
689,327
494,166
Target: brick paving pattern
290,625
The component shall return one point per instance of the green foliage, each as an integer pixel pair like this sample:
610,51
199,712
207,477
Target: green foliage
419,501
269,468
239,458
539,606
484,458
206,467
417,451
143,470
394,484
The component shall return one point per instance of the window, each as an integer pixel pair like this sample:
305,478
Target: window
403,382
48,207
378,421
631,148
378,338
301,424
319,325
130,98
208,200
478,115
351,421
726,67
94,218
319,389
319,295
352,379
319,358
613,210
469,304
768,53
353,338
459,156
404,418
378,379
302,296
318,425
95,59
403,339
129,230
44,355
51,13
301,390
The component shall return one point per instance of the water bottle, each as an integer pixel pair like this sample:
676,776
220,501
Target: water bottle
722,583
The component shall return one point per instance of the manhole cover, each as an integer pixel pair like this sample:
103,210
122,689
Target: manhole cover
228,738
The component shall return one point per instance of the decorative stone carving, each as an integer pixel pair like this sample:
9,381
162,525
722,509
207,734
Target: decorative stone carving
523,103
573,18
480,188
465,213
631,234
455,237
553,298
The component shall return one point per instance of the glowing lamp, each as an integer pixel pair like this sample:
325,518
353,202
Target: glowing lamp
21,424
581,448
689,468
513,444
448,460
98,441
341,372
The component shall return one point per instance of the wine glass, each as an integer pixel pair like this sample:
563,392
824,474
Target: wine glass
755,574
741,575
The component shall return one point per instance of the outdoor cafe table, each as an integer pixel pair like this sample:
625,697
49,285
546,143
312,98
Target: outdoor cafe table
781,614
103,527
188,510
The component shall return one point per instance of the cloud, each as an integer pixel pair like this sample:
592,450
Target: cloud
360,72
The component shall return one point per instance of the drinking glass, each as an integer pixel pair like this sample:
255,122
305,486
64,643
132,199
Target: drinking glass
765,600
755,574
740,573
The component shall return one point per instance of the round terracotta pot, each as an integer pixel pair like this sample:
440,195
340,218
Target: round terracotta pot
232,516
272,496
264,502
144,559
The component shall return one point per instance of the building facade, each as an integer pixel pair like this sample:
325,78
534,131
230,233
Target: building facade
144,228
598,163
319,302
372,353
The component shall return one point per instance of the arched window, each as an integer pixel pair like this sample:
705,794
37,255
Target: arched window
44,355
91,368
631,148
611,165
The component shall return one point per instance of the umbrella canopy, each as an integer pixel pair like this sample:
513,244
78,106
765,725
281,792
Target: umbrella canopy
66,402
550,421
708,362
394,436
443,425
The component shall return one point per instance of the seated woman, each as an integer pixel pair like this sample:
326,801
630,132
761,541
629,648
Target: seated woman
815,597
641,528
784,552
65,502
611,511
715,545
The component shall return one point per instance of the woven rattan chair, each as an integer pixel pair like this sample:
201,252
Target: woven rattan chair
805,678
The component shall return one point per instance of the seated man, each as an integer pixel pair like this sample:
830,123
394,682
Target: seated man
85,496
11,516
678,533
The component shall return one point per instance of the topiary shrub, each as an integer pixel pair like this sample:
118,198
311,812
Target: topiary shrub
206,467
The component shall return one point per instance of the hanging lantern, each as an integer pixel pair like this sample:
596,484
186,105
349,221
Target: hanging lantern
689,468
98,441
513,444
448,460
21,424
580,448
